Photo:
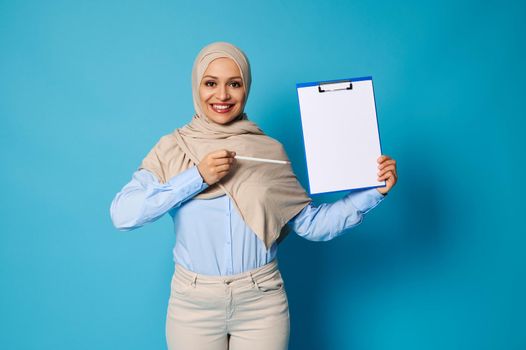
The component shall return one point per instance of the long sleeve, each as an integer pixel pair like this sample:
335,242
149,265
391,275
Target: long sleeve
144,199
328,221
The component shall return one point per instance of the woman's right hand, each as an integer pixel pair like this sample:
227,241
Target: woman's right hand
216,165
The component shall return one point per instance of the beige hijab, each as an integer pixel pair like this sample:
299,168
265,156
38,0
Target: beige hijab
266,195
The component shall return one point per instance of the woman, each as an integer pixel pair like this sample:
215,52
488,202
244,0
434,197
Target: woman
229,214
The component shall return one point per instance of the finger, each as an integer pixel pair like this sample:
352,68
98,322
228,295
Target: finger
382,158
221,168
223,154
390,173
386,163
219,154
386,169
222,161
390,182
386,176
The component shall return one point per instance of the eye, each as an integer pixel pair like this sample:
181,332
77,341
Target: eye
235,84
210,83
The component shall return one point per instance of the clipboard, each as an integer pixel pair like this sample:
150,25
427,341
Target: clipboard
340,134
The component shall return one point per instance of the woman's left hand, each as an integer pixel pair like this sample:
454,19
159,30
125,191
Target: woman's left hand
387,172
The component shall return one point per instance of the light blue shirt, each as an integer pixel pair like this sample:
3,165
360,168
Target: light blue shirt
211,236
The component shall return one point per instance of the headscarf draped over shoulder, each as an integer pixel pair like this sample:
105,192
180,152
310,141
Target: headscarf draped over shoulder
266,195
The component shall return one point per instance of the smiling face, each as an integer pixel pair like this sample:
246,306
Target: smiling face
221,91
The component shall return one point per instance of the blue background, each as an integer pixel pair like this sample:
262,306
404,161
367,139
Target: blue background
88,87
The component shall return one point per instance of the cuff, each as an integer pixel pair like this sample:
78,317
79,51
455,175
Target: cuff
190,180
365,200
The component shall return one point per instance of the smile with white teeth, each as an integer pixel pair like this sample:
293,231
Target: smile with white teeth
222,108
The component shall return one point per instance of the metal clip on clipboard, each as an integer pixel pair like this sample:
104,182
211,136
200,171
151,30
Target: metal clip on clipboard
335,86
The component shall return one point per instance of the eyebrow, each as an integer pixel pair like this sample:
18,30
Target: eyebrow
211,76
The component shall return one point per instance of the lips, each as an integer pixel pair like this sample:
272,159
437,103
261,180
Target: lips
221,107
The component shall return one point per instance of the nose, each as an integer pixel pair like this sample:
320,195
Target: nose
223,94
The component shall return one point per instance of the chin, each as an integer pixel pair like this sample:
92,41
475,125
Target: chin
223,119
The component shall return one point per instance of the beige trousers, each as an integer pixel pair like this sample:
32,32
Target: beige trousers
248,311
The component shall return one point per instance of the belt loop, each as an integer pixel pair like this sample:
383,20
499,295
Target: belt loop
194,280
254,282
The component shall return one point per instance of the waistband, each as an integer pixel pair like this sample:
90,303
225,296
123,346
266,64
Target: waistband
208,279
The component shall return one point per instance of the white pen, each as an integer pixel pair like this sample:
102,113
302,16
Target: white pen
263,160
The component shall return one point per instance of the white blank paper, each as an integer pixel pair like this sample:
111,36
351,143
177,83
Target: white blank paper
340,132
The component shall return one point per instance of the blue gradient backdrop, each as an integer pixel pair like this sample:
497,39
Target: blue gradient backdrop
88,87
